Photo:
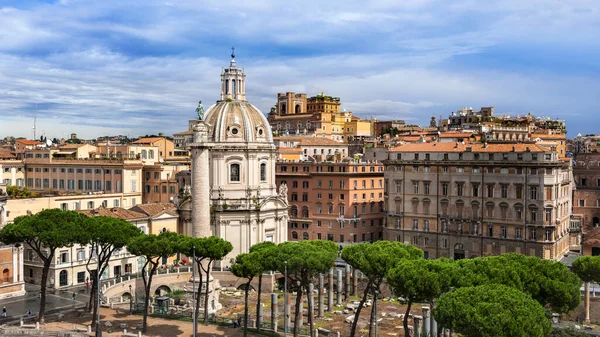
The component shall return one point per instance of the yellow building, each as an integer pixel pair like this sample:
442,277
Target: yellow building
294,114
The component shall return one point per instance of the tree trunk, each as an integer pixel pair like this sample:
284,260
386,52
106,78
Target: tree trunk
45,271
95,290
246,308
310,311
371,320
360,306
198,293
92,298
258,301
206,296
297,311
147,299
405,322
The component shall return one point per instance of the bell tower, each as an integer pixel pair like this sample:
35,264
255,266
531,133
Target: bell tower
233,81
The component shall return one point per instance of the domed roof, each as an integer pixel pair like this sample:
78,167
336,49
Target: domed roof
237,121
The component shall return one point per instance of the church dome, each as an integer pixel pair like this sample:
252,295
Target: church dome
232,118
237,121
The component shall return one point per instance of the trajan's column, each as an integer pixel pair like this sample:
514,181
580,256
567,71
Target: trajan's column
200,189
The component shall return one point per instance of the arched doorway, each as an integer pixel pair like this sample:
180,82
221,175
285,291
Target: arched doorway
459,251
162,291
283,109
297,109
6,275
63,278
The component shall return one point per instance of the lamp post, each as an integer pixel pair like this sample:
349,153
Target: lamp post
376,292
194,288
285,302
130,301
98,327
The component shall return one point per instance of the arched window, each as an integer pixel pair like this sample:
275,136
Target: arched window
283,109
233,88
294,212
6,275
294,235
234,172
305,236
226,86
151,154
143,154
63,278
297,108
305,212
263,172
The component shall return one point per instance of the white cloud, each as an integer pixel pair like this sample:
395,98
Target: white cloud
140,66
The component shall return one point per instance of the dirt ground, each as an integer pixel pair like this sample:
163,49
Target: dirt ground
156,326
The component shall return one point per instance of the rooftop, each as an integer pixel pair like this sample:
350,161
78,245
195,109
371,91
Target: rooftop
476,147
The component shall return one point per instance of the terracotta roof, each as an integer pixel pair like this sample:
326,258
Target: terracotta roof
115,212
184,133
456,134
29,142
308,141
289,150
460,147
148,140
5,154
155,209
547,136
71,146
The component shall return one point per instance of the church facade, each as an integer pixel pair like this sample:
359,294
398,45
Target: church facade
245,206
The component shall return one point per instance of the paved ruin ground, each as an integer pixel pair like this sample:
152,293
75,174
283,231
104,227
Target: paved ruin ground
233,304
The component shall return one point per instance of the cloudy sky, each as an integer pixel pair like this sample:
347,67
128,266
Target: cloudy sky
140,66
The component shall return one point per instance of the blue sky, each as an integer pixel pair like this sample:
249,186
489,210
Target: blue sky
140,66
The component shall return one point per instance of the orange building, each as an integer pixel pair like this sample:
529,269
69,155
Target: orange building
340,201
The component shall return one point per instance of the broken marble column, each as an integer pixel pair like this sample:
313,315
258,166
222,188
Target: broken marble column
321,310
311,298
418,324
330,292
347,282
259,315
433,328
286,312
339,286
355,282
300,314
274,312
426,321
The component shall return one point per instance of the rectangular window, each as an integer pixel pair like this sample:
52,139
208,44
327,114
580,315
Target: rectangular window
416,187
445,189
459,189
475,190
503,232
518,233
533,192
490,190
415,224
519,192
504,190
490,230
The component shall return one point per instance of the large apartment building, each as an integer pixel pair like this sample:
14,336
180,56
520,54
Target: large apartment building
336,201
586,199
465,200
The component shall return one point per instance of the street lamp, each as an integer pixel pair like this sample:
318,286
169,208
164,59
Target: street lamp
130,300
98,327
194,288
285,300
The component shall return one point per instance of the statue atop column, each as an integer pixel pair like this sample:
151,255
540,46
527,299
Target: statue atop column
200,111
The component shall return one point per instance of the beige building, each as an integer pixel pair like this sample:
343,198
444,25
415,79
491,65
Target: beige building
74,202
465,200
311,148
